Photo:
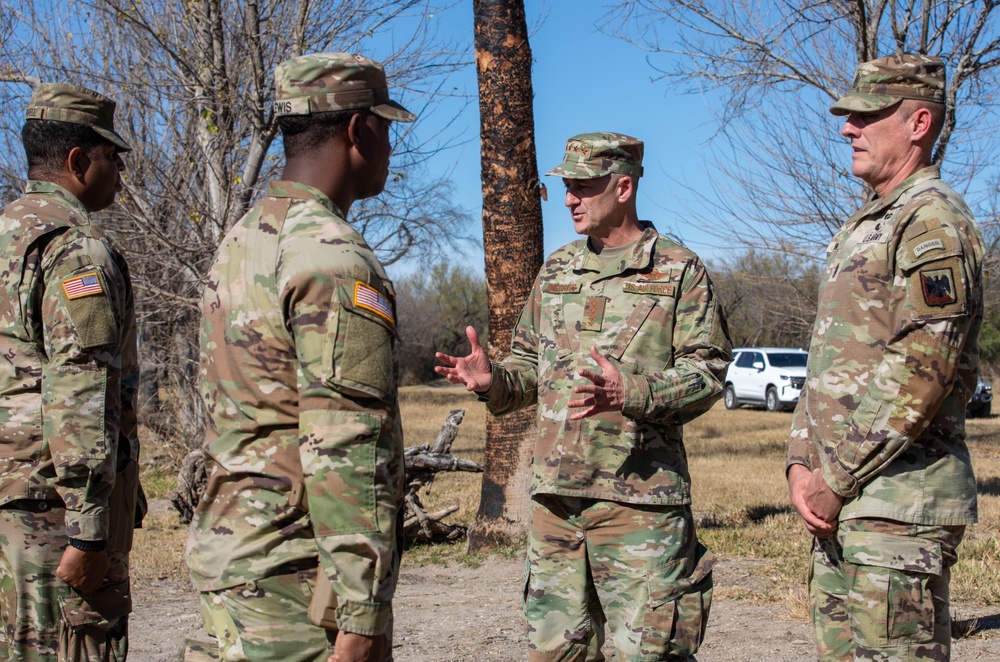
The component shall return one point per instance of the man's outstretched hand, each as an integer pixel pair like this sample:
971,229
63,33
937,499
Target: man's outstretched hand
474,370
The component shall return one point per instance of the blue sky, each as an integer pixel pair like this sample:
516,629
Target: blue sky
583,81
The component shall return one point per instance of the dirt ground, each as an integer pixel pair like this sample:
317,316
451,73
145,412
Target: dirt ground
455,613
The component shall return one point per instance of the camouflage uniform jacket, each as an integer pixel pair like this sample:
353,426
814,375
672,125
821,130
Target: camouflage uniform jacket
894,357
69,384
304,449
653,313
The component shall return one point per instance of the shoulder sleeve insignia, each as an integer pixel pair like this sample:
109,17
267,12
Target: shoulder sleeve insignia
367,297
82,285
938,286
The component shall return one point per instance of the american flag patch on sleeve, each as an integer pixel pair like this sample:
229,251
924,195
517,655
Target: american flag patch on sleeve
82,285
367,297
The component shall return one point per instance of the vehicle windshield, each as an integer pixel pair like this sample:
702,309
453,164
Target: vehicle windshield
790,360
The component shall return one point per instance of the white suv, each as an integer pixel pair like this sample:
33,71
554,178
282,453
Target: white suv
769,376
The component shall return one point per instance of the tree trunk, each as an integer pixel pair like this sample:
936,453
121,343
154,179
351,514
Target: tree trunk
512,240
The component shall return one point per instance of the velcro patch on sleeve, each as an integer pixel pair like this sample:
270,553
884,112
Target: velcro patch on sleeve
940,289
367,297
89,309
82,285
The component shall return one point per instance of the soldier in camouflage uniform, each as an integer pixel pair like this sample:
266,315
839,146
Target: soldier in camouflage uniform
878,465
621,342
68,387
304,449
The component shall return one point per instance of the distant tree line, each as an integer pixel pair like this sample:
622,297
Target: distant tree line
434,306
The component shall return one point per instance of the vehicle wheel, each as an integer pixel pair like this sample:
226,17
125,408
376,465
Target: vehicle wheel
986,410
729,397
771,399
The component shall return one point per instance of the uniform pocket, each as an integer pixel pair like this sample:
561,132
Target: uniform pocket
338,455
680,597
359,353
894,573
95,626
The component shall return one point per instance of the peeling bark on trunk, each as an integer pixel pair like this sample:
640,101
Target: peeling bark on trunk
512,239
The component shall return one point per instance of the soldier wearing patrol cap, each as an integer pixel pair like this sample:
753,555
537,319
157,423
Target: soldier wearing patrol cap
68,446
621,342
295,546
878,466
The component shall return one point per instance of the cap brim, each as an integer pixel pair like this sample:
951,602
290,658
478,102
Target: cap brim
118,141
863,103
573,171
391,110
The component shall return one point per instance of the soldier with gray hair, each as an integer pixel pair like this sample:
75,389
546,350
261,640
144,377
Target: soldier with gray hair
621,342
69,486
878,466
295,546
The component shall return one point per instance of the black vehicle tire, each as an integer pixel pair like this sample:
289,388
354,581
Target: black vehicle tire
986,410
729,397
771,401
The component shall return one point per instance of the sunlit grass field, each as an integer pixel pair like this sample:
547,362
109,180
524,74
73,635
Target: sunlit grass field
737,461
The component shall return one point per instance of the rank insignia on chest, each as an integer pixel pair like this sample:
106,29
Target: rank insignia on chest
938,286
367,297
593,313
82,286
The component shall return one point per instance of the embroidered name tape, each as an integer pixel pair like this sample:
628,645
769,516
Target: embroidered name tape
367,297
664,289
83,285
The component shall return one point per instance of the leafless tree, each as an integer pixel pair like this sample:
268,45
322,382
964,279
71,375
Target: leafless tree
193,82
772,68
512,239
769,298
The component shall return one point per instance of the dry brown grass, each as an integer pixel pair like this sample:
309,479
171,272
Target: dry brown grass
737,463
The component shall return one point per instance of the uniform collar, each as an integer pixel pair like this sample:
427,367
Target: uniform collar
53,190
282,188
877,205
637,258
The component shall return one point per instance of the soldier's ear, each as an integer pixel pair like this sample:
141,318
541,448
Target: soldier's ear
76,164
354,128
625,188
921,122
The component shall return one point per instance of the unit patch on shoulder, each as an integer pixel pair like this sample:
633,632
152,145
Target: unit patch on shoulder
938,286
367,297
83,285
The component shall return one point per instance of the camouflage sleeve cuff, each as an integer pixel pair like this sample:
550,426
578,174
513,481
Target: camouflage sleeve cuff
798,452
838,479
637,395
367,618
493,391
498,397
87,526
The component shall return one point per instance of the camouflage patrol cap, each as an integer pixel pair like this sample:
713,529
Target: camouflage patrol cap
591,155
62,102
888,80
322,82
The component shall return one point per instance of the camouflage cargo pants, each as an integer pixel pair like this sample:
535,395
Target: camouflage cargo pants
639,569
45,620
264,621
879,591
